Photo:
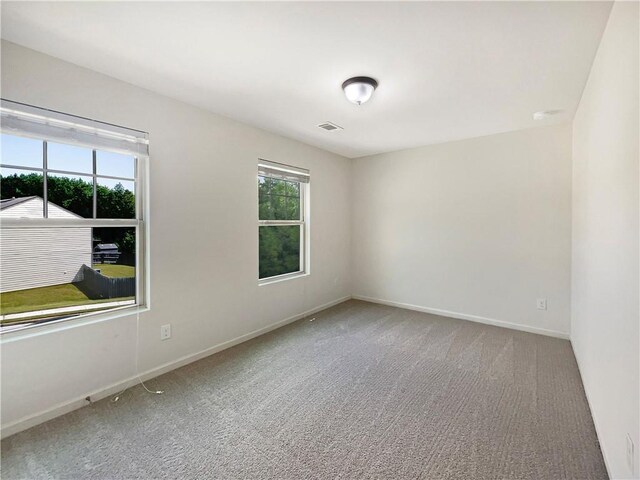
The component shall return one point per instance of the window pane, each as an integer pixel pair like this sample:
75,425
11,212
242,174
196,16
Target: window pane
265,184
117,247
48,273
264,199
70,193
278,199
20,184
264,206
21,151
279,207
279,250
115,165
293,208
116,198
69,158
293,189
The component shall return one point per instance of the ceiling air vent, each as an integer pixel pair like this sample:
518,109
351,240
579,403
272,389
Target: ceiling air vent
330,127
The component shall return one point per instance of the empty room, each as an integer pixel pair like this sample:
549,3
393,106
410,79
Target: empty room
320,240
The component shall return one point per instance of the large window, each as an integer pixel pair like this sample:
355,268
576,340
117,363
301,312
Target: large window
72,217
283,221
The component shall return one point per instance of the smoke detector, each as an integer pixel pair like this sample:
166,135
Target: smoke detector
330,126
545,114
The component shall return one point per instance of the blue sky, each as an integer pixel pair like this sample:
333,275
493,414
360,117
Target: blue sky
27,152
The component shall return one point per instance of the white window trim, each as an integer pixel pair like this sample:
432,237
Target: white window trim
305,240
58,325
281,278
141,223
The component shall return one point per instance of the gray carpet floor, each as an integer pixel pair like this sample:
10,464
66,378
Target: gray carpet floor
362,391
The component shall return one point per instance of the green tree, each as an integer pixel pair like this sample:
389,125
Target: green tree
279,251
127,243
73,194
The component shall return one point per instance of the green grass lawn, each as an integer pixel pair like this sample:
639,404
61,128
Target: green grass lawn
58,296
115,271
46,297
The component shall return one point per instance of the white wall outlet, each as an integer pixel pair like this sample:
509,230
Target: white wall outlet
630,454
165,332
541,303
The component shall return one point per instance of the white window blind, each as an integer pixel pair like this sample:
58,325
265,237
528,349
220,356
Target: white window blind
282,171
25,120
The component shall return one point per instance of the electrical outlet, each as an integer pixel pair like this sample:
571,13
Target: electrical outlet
630,454
541,303
165,332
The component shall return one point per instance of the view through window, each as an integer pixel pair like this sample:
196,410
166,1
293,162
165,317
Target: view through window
282,192
70,222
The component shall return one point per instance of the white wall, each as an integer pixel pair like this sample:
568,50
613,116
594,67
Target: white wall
477,228
605,317
204,242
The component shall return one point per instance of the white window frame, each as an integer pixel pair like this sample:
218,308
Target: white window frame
98,136
305,243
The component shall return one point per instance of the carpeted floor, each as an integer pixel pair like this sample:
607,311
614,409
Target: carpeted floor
362,391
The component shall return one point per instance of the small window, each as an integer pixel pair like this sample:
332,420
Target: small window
72,215
282,221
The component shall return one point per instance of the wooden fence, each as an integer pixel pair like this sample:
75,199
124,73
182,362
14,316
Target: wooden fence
99,286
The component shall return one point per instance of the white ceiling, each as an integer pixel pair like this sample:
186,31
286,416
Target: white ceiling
447,70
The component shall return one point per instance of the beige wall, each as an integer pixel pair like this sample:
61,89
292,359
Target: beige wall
204,241
605,317
478,228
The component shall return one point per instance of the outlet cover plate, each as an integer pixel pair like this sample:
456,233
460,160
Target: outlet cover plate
165,332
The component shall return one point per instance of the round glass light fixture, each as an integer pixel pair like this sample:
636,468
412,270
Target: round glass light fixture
359,89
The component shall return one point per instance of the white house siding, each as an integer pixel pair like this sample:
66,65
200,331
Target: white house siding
33,208
40,257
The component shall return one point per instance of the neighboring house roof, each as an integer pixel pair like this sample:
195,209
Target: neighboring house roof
10,202
32,207
106,246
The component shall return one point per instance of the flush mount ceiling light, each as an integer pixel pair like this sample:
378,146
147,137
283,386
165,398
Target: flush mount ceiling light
359,89
545,114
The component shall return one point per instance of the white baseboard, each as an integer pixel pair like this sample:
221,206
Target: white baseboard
66,407
595,422
466,316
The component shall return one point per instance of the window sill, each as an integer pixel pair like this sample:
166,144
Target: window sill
61,324
281,278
